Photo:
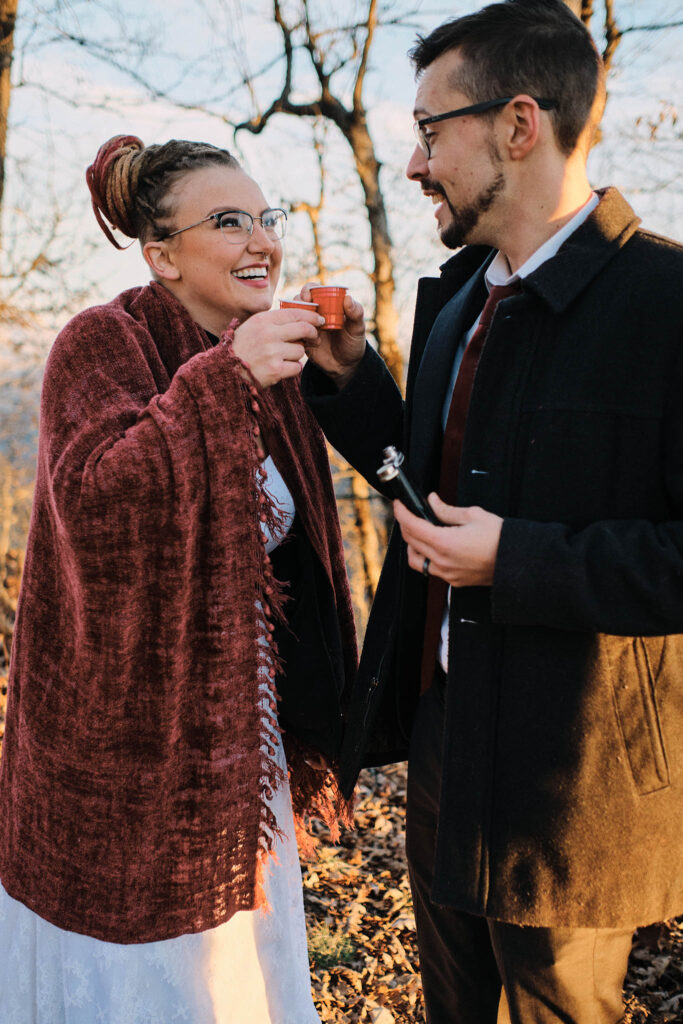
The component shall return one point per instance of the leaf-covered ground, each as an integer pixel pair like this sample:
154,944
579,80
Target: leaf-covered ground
364,960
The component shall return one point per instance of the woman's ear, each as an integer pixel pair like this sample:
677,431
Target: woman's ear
160,260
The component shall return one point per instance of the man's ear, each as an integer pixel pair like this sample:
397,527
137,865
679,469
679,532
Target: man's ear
522,119
160,260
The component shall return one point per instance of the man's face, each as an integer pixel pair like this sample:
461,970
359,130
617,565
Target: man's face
463,175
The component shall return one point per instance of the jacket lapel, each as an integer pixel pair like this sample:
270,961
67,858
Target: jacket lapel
433,377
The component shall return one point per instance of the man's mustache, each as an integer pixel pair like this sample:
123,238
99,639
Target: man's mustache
430,185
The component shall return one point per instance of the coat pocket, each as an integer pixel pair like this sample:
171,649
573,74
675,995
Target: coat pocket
633,682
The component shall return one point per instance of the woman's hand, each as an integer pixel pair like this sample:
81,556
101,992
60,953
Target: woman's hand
338,353
272,343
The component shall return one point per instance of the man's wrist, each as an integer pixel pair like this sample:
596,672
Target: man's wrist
345,377
346,372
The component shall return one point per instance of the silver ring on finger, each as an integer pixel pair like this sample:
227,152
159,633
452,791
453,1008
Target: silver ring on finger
425,567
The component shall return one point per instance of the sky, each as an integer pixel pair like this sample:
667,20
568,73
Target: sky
66,103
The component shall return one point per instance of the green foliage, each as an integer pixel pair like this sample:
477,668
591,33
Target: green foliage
327,947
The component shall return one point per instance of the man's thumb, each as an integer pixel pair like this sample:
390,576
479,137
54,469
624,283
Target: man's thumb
446,513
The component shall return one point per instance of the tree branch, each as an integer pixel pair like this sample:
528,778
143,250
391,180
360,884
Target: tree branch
282,104
326,105
612,34
362,67
652,28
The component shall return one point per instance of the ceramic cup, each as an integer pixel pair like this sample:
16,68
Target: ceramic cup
330,301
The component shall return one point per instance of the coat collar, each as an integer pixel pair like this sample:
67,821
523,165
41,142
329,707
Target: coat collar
560,279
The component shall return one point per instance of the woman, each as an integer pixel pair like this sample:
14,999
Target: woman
144,784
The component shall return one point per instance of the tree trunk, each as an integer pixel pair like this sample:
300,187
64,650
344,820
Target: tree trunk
6,509
8,17
367,535
386,317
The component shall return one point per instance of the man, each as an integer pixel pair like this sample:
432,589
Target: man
544,811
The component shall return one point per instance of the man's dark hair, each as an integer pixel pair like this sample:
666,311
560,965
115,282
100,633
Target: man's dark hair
536,47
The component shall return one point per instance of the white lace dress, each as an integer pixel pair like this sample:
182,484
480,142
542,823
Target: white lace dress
251,970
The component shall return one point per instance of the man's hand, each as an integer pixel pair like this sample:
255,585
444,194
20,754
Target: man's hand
338,353
463,552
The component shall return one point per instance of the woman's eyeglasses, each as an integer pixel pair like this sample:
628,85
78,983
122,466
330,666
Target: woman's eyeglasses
238,225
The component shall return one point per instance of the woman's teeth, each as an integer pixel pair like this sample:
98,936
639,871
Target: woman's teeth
258,273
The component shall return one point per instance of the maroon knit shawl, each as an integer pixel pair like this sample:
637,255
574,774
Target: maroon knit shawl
136,758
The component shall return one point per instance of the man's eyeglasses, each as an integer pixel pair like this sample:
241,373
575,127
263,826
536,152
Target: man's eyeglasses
238,225
423,136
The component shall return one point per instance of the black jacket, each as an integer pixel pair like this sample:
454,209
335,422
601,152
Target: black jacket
562,779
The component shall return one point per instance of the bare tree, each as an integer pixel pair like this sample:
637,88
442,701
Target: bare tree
16,493
18,428
350,117
611,32
8,17
321,67
314,209
585,9
363,513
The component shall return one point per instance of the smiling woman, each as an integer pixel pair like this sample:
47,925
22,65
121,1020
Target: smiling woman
147,803
224,262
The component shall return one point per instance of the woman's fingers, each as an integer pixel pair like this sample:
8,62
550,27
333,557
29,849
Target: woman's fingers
272,344
292,351
297,330
288,369
283,316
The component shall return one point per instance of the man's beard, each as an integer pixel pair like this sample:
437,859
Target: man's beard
464,220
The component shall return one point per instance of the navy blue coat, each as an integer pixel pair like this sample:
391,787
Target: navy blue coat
563,775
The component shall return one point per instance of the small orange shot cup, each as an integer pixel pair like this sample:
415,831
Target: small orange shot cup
330,301
298,304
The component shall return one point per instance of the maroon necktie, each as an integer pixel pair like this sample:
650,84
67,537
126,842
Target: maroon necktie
450,463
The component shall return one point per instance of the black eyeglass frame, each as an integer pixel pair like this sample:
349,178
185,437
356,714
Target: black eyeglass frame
475,108
222,213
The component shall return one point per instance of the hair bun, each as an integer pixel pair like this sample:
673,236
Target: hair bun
112,179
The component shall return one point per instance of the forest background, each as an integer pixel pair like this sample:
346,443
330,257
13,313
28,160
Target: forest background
315,99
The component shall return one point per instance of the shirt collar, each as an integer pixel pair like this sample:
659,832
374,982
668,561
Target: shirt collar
498,272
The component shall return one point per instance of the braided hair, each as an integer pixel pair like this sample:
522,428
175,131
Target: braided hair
130,183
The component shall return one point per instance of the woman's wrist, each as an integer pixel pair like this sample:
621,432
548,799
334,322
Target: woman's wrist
228,335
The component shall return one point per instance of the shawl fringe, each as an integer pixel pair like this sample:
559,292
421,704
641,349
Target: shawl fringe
315,792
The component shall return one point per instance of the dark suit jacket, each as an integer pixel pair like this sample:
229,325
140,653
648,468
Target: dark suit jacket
562,776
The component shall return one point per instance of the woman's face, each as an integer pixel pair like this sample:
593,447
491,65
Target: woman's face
210,275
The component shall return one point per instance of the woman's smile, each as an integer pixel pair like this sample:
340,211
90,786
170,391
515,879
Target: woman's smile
255,275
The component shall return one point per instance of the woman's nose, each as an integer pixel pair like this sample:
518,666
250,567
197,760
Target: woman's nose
260,240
